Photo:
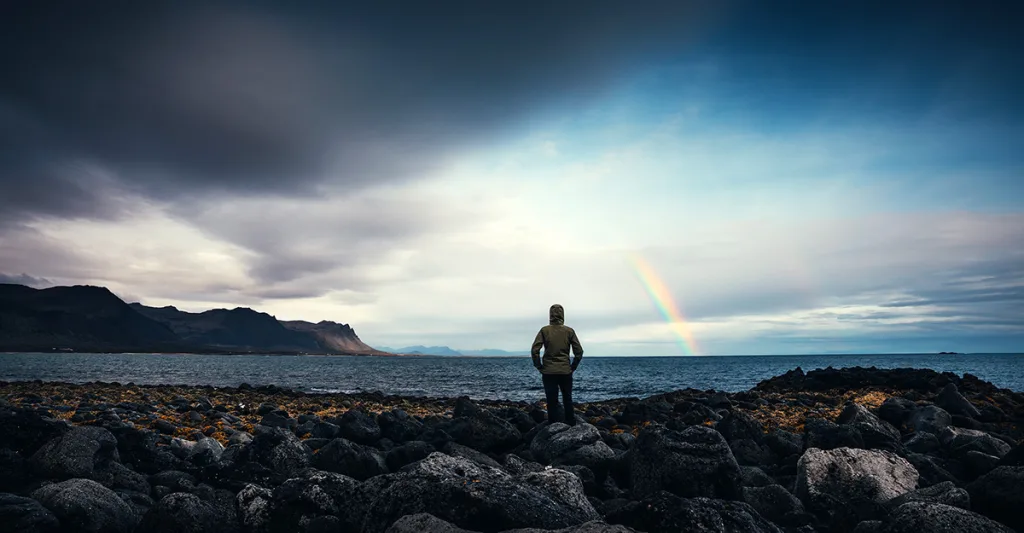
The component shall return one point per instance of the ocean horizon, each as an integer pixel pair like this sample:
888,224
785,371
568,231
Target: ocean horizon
479,377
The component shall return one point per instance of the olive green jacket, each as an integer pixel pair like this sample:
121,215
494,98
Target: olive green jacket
556,338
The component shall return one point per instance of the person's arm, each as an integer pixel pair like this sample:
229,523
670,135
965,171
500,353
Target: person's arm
577,349
535,351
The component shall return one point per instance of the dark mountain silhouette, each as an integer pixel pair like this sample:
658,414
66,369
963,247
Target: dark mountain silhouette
333,336
86,318
230,328
76,318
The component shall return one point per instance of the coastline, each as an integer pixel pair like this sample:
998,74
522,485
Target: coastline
391,463
784,401
204,352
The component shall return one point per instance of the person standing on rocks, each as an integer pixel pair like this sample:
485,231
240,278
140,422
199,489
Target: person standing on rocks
556,338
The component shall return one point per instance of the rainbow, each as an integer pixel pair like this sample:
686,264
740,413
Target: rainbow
662,300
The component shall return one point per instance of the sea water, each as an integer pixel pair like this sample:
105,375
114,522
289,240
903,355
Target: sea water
509,378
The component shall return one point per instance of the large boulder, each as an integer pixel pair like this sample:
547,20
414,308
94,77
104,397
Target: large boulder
945,493
26,431
931,472
179,511
644,410
694,462
952,401
738,425
517,417
784,443
410,452
424,522
279,419
398,426
85,506
206,452
876,433
777,504
827,435
313,496
752,476
925,517
323,430
978,464
560,444
119,477
359,427
278,450
351,459
847,485
896,410
477,497
960,441
749,452
663,512
593,526
139,448
483,432
930,419
25,515
516,465
173,481
700,414
76,454
999,494
255,504
332,501
922,443
455,449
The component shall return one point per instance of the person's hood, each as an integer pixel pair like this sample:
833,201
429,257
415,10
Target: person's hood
557,315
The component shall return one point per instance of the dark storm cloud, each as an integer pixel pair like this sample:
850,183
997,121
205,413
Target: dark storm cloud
191,98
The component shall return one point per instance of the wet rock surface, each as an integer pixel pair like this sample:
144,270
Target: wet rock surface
918,517
830,450
694,462
848,485
85,505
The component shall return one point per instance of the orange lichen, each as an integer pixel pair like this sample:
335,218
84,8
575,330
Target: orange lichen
871,400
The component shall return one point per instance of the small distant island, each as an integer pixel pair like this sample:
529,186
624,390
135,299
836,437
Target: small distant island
948,353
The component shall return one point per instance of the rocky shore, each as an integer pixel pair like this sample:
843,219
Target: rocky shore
833,450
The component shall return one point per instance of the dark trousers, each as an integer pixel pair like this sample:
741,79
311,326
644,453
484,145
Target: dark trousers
552,384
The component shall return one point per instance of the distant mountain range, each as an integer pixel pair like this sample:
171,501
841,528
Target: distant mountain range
444,350
87,318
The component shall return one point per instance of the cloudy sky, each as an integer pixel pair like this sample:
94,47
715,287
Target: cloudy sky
802,179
